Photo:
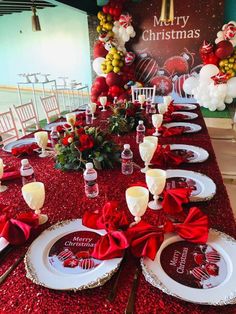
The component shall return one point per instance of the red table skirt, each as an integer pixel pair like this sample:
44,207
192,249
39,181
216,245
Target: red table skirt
65,199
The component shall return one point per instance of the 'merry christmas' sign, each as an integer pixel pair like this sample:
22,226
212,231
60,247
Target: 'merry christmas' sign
168,51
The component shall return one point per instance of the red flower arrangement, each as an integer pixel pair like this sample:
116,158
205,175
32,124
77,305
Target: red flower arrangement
85,144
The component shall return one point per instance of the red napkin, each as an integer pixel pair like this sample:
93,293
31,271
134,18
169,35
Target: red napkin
110,219
172,131
194,229
111,245
165,158
172,107
144,239
24,150
10,173
173,199
17,231
174,117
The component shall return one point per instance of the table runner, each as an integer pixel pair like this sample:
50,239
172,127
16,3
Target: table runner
65,199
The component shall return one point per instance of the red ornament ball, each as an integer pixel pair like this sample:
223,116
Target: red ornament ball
146,68
176,65
99,50
113,79
224,49
163,85
178,85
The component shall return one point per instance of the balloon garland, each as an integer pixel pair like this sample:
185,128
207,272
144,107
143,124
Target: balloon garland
113,64
215,85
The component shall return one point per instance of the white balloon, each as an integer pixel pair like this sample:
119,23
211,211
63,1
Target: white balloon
212,107
115,29
133,34
228,100
121,31
189,84
125,37
207,71
129,30
97,65
231,87
221,107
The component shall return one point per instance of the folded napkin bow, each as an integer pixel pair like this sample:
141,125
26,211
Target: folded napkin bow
173,117
165,158
24,150
17,231
110,219
172,131
143,239
194,229
10,173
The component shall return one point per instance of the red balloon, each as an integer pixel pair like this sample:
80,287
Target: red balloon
113,79
211,59
100,84
99,50
115,91
224,49
105,9
117,12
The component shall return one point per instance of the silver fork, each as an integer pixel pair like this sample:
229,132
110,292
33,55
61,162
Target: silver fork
4,276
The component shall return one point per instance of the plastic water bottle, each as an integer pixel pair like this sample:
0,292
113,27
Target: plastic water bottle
54,136
27,172
127,160
140,132
90,181
88,115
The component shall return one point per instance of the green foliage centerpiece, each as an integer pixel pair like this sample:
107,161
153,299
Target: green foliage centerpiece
79,145
125,117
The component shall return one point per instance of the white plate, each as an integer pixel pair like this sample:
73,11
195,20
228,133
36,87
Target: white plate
186,106
24,141
193,127
76,112
49,126
44,260
199,154
189,115
204,187
212,282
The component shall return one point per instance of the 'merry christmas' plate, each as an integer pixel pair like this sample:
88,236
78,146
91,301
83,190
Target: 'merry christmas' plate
186,106
196,273
196,154
203,188
22,142
48,127
60,258
188,115
191,127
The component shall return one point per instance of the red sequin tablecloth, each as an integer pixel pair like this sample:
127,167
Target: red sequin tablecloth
65,199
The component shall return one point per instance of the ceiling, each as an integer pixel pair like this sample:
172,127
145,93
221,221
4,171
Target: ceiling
18,6
88,6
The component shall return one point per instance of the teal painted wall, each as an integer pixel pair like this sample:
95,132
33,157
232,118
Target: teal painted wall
230,10
61,48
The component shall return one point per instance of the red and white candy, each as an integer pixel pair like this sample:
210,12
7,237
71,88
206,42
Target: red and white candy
229,31
125,20
213,256
129,58
71,263
86,263
65,254
200,273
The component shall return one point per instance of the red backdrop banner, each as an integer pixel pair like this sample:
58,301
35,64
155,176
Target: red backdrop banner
170,49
